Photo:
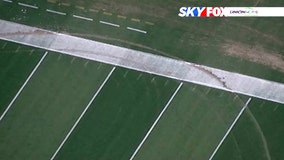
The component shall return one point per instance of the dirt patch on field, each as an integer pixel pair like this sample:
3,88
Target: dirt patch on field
255,54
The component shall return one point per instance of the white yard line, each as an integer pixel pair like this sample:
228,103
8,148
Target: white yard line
27,5
8,1
156,121
84,18
229,130
111,24
56,12
27,80
82,114
137,30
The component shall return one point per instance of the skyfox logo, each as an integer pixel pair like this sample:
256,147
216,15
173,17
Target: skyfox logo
201,12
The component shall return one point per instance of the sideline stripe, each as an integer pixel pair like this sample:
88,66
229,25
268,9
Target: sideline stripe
82,114
111,24
229,130
137,30
156,121
84,18
56,12
27,5
8,1
20,90
143,61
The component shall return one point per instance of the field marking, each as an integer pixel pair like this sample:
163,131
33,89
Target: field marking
79,7
156,121
4,45
65,4
208,90
166,83
149,23
107,13
86,63
230,128
93,10
135,20
84,18
9,1
51,1
137,30
125,74
142,61
56,12
193,89
20,90
99,66
82,114
110,24
17,50
27,5
275,108
59,57
153,79
140,75
121,17
31,52
73,59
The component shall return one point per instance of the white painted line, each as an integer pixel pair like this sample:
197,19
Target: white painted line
156,121
20,90
56,12
82,114
111,24
137,30
84,18
4,45
229,130
8,1
143,62
27,5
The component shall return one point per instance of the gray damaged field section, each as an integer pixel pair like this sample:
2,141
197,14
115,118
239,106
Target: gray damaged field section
142,61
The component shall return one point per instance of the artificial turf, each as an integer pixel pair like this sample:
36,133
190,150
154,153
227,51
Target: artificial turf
257,135
193,125
120,117
15,66
49,105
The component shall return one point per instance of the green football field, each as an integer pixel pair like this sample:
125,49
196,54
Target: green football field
193,124
73,108
257,135
48,106
42,121
16,62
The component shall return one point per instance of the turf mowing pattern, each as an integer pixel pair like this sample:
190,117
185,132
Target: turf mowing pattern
257,135
120,116
49,105
16,63
192,126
